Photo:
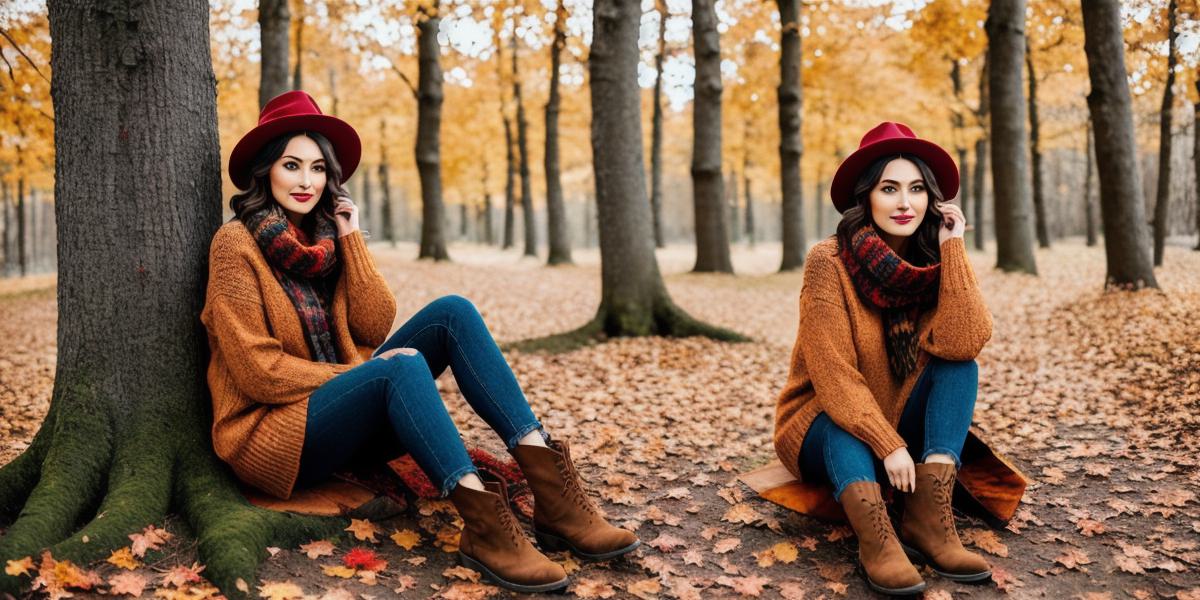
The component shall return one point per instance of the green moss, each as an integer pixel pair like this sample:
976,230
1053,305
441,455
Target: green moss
18,477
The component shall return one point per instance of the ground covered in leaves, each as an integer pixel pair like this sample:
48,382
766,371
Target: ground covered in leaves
1095,396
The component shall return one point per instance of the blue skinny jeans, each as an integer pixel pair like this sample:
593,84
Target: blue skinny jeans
387,407
935,419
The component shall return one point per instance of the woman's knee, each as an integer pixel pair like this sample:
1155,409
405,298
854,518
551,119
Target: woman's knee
965,369
455,305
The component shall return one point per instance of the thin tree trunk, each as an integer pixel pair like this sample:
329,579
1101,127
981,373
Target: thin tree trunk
128,433
387,227
735,230
1130,260
656,135
463,219
297,80
1035,148
981,155
35,231
22,229
510,196
634,300
820,209
1010,153
523,154
274,24
712,243
1162,203
333,90
958,122
791,148
370,212
749,206
559,237
429,123
6,198
1089,206
489,237
1196,152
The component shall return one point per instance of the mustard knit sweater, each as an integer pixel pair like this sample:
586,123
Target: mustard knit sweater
839,364
261,372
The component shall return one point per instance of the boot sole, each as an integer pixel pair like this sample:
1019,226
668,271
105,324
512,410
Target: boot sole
554,543
911,590
918,558
471,563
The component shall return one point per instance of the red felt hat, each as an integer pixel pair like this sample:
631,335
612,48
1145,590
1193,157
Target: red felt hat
294,111
886,139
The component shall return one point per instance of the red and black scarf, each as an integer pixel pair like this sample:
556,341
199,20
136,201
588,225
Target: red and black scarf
900,290
305,265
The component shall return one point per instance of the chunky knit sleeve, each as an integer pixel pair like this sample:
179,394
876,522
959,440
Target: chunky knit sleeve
372,307
827,346
961,325
237,325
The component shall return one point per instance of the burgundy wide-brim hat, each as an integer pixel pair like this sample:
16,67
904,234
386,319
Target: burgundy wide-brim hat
294,111
886,139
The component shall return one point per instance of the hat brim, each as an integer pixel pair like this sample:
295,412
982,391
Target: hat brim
841,190
344,139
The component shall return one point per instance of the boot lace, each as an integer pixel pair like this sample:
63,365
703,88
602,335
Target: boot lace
573,488
507,521
943,490
879,520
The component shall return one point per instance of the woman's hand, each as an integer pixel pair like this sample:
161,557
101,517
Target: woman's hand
901,471
345,215
954,223
394,351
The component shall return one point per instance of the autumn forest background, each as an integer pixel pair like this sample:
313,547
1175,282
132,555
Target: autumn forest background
627,191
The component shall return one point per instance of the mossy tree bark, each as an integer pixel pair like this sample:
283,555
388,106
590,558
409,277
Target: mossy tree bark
634,299
126,438
1127,246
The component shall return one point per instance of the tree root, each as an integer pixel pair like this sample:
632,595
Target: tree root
233,535
19,476
69,484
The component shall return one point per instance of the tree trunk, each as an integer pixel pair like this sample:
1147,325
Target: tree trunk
429,123
127,435
1089,210
735,230
1196,151
1127,249
1162,201
712,245
35,232
333,90
370,212
791,149
556,215
274,24
958,122
523,155
5,197
22,229
749,207
297,80
510,174
820,208
981,156
634,300
656,135
387,225
1010,154
1035,148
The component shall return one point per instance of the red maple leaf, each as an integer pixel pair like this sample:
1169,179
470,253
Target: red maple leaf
364,559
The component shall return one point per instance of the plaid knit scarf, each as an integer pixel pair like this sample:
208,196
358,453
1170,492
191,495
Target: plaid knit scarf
304,268
897,288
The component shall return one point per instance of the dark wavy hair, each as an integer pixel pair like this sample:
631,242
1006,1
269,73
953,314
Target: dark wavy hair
926,250
258,196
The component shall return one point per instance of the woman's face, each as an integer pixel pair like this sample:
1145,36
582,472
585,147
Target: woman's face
298,177
899,201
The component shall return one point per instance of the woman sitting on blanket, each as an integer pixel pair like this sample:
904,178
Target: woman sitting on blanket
883,370
305,378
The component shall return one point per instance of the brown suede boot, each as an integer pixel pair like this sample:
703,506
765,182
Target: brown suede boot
888,569
927,527
563,515
493,543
